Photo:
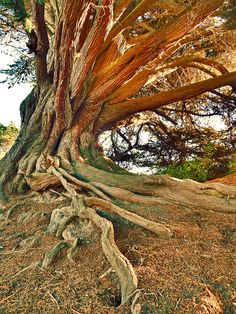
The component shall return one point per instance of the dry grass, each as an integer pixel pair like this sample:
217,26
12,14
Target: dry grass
192,273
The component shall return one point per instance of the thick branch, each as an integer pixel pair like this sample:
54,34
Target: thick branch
131,87
42,43
142,7
113,76
84,60
111,114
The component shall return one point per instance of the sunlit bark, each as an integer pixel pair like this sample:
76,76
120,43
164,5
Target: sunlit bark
113,113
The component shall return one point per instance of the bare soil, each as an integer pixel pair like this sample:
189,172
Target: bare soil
194,272
228,180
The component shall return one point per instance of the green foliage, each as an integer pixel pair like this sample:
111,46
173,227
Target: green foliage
20,71
17,7
228,14
189,170
201,168
231,166
41,1
2,132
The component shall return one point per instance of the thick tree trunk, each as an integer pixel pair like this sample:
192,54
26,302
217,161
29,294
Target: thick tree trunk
21,158
38,142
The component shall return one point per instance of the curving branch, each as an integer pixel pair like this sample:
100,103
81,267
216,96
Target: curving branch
138,80
113,113
148,49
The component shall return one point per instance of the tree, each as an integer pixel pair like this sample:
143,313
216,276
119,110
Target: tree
91,60
175,134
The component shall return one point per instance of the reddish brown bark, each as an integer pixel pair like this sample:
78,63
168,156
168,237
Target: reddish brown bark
113,113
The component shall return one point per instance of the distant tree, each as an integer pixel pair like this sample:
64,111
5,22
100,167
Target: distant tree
93,61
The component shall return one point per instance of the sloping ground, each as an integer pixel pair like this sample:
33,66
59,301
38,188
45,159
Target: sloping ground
228,180
6,145
8,136
194,272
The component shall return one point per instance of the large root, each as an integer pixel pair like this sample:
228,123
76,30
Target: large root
84,185
118,261
101,196
149,190
159,229
128,196
50,255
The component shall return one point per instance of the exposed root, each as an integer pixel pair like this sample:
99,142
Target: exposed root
134,297
85,208
31,266
28,242
53,299
118,261
50,255
135,306
60,218
128,196
164,188
72,250
222,189
152,190
84,185
159,229
220,209
63,226
41,181
107,273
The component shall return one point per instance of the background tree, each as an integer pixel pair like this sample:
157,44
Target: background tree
175,134
92,58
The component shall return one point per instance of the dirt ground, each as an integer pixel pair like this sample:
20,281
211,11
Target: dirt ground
194,272
229,180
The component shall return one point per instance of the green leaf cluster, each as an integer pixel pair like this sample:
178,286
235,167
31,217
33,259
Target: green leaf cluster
40,1
202,168
17,7
20,71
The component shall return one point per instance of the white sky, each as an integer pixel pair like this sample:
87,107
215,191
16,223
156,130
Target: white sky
10,99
